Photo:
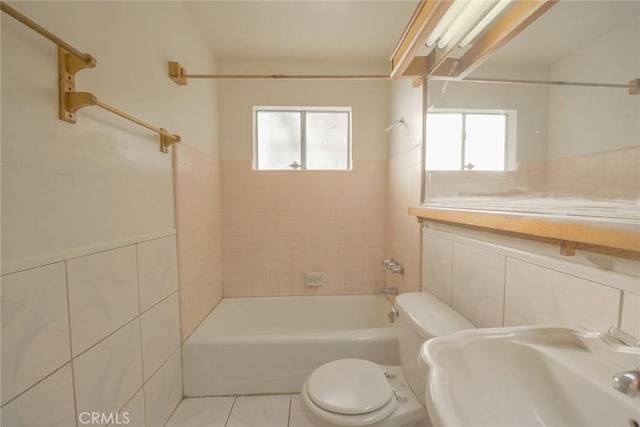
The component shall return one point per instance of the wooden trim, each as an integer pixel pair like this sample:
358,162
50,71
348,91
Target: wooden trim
424,19
598,236
417,68
516,19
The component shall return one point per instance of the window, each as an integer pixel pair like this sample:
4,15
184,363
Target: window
466,141
295,138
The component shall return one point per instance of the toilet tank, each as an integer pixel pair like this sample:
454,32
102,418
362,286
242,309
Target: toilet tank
422,316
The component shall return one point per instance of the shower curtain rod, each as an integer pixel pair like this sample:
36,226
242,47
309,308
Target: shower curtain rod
85,57
289,76
632,85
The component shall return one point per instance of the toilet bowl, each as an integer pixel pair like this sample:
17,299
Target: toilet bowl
363,394
358,392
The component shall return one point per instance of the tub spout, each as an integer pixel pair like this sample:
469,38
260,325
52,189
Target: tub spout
390,291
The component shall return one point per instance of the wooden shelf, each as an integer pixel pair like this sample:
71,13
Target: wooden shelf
599,235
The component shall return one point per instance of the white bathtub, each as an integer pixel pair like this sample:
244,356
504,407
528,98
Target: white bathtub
271,344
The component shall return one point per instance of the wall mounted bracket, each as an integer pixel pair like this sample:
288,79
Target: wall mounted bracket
634,87
166,140
68,67
177,73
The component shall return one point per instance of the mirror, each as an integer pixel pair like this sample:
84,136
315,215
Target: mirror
555,148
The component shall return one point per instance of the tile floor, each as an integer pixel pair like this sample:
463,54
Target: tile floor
242,411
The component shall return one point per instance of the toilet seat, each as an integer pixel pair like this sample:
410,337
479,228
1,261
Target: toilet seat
349,392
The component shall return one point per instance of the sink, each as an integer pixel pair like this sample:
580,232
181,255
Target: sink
528,376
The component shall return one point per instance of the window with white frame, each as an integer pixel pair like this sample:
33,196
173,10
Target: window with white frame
302,138
459,140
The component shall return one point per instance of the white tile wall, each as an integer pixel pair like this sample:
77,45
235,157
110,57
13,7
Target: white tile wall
157,270
103,295
437,259
132,415
110,373
537,295
630,318
35,327
111,339
48,404
538,287
478,285
160,334
163,391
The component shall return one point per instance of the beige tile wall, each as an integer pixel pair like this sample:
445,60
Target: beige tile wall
198,224
277,225
405,178
606,175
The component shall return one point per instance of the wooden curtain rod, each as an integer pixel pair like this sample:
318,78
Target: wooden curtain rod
633,86
179,75
85,57
78,100
289,76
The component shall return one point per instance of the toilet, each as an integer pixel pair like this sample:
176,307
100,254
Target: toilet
358,392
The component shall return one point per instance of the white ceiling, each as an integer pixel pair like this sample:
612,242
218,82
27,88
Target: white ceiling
365,30
563,28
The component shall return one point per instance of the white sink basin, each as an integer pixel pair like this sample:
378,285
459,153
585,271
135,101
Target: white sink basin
528,376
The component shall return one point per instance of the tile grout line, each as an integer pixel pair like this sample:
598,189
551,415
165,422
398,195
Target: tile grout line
144,398
73,377
121,327
40,381
233,405
74,257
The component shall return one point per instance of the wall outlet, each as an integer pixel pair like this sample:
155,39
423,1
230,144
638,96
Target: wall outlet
314,278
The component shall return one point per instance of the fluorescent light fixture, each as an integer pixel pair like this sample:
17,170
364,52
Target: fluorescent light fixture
469,16
499,7
445,21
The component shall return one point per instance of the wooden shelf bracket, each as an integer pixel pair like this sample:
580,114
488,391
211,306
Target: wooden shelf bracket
68,66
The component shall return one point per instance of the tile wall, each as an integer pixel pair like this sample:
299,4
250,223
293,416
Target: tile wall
606,175
97,333
514,283
199,225
611,174
405,185
277,225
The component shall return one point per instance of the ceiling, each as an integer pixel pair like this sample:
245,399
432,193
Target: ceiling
563,28
364,30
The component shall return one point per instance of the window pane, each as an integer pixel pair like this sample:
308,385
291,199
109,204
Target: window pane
484,143
327,140
444,141
278,139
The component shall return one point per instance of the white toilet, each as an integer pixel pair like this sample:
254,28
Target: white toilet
357,392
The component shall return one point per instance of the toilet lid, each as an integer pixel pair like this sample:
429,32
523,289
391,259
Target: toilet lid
349,387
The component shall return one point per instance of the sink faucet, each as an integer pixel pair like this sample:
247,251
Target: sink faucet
627,382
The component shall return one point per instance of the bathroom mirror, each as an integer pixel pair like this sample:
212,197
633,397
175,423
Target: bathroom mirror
536,147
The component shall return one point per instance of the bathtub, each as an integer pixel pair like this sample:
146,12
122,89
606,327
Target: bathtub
271,344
